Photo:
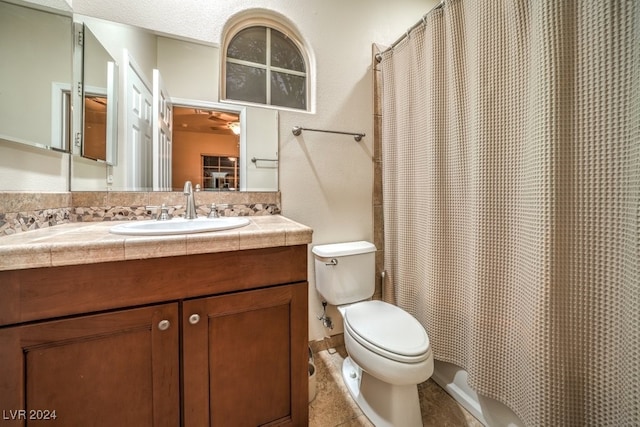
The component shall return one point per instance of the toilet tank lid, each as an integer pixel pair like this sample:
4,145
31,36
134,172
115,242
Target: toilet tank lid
343,249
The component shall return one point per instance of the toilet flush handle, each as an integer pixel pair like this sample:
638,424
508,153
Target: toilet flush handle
332,262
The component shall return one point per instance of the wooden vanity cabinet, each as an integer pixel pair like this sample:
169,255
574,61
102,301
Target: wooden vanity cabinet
119,368
214,339
244,349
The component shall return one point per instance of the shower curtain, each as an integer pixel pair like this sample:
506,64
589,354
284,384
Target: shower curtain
511,188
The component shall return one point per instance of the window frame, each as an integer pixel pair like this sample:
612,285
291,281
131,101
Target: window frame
270,24
219,168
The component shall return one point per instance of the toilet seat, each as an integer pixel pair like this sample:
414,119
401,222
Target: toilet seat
388,331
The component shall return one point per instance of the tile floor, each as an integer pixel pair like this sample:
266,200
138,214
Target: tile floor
333,405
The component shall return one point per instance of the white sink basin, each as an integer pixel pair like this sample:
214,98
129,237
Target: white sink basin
178,226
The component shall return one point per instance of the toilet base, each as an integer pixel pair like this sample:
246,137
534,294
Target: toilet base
386,405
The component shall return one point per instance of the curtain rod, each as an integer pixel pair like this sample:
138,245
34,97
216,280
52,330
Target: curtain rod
413,27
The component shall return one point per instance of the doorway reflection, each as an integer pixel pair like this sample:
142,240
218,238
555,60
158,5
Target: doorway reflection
95,127
206,149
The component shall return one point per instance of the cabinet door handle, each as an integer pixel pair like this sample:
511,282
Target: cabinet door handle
194,318
163,325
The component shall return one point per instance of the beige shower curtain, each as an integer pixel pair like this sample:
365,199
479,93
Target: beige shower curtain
511,185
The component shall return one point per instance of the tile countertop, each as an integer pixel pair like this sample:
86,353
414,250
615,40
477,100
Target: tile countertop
91,242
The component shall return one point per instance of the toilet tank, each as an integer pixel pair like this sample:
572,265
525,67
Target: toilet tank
345,272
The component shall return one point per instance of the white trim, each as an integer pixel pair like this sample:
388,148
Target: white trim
60,123
112,113
95,90
209,105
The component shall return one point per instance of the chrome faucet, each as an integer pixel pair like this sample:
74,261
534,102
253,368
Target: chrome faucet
190,212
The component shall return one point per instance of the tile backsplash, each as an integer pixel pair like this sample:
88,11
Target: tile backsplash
24,211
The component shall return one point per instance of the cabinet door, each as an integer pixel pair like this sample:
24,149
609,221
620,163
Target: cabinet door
115,369
245,358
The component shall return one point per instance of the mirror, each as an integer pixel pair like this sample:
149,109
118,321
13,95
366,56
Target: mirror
99,77
189,72
36,47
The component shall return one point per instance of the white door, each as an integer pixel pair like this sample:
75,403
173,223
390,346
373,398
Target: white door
162,134
138,125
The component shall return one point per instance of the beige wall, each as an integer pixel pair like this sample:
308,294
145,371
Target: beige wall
187,161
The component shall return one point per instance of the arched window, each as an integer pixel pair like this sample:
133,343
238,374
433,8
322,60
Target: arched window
265,65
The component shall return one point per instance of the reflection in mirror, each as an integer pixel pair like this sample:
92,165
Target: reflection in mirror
207,148
36,50
94,133
190,72
99,104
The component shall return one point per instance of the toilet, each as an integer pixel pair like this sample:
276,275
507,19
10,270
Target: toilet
388,349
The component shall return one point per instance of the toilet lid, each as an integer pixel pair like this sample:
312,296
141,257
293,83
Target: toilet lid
387,327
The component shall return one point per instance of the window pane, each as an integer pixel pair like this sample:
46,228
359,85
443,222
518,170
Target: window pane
227,163
219,173
249,44
210,160
288,90
246,83
284,53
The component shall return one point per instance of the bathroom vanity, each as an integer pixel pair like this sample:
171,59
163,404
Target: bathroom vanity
193,330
